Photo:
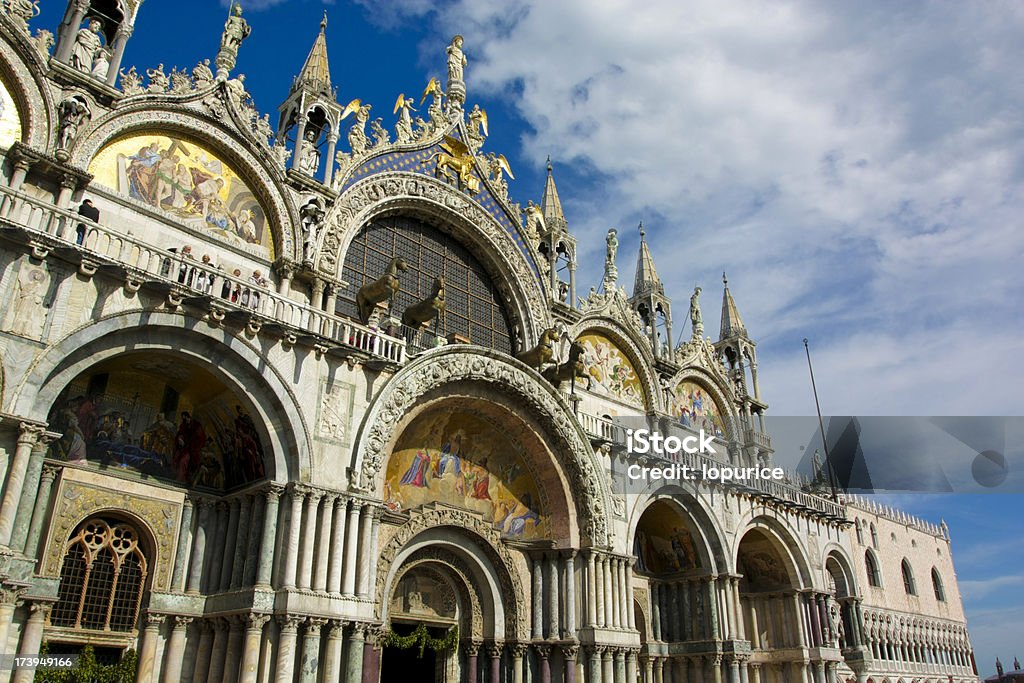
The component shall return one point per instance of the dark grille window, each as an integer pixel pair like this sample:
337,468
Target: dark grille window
473,307
102,578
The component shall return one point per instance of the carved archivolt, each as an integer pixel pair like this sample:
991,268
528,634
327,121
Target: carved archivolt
147,116
26,85
507,375
394,191
467,589
77,501
486,538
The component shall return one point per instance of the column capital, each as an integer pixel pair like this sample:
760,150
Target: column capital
254,621
336,627
289,623
359,630
598,649
154,620
494,649
472,647
50,472
570,651
182,621
543,651
273,491
124,30
29,433
517,649
314,624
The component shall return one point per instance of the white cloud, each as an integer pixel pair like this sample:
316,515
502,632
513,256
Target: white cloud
857,171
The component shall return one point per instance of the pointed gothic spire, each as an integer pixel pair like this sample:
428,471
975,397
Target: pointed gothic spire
551,205
732,325
316,72
646,275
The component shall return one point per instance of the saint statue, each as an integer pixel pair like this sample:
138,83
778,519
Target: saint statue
101,64
312,215
236,29
612,243
71,112
695,317
87,44
456,60
310,153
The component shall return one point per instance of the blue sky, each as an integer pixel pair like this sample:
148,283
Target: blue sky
856,168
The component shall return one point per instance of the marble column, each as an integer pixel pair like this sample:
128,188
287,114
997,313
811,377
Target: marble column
552,596
201,667
20,169
544,662
594,664
249,668
323,544
682,670
712,608
221,635
268,538
363,579
620,666
371,657
471,648
332,655
494,658
672,597
609,599
28,436
598,587
304,578
351,550
215,561
144,672
625,596
734,670
354,665
658,669
175,650
569,654
630,611
67,33
648,662
310,661
8,602
656,611
591,620
289,630
195,573
242,531
516,652
537,599
42,508
181,551
124,32
227,540
337,553
631,666
291,550
570,595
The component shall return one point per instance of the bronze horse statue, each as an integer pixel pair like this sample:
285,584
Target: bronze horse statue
426,310
543,353
385,288
570,369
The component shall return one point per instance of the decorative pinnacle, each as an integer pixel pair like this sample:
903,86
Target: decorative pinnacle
725,280
549,163
642,233
323,22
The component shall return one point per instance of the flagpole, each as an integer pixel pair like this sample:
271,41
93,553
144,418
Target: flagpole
821,425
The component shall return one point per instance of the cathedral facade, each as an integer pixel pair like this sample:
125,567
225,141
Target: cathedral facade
319,402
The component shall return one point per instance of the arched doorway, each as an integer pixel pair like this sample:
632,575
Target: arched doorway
772,607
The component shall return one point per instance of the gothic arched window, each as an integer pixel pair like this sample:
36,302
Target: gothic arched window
908,579
871,564
940,593
102,578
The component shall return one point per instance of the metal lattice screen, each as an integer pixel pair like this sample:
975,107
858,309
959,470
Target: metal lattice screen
473,308
101,579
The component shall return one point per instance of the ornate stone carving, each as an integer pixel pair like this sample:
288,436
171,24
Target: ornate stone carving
236,29
437,368
131,82
158,81
78,500
43,40
73,112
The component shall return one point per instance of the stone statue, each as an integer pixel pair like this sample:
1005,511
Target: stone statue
262,128
436,113
498,165
72,112
131,83
280,152
422,128
101,64
158,80
403,129
477,127
180,82
22,10
695,317
310,152
87,43
534,219
834,622
236,29
819,469
456,61
27,315
43,40
202,74
235,88
312,216
357,139
380,136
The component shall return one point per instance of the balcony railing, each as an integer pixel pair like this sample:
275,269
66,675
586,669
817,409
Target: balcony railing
189,279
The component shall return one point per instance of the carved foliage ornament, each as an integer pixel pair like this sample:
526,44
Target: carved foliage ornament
353,209
434,369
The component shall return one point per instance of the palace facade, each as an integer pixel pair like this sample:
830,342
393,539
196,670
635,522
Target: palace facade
316,401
